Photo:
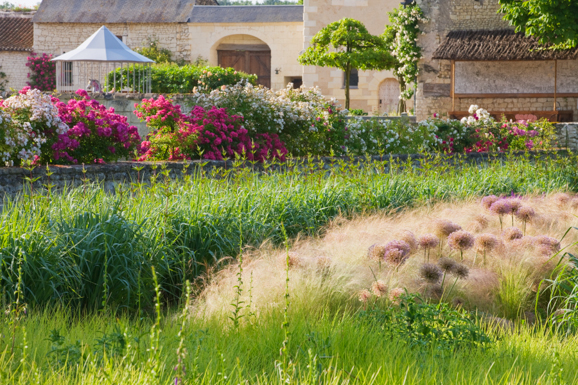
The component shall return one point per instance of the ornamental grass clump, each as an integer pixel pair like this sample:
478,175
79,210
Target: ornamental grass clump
461,241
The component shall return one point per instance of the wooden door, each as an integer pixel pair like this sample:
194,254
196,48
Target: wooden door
388,96
251,62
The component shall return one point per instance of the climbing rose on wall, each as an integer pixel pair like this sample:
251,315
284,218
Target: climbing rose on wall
42,73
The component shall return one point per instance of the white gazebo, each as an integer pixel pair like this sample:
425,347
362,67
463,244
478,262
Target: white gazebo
88,66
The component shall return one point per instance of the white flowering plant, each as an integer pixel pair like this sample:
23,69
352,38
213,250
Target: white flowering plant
304,120
31,125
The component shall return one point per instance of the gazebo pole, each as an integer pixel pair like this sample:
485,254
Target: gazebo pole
556,87
453,85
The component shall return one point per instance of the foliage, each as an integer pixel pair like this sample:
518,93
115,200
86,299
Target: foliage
171,78
346,44
425,325
208,133
357,112
69,243
96,134
303,119
552,22
31,126
563,293
8,6
401,37
42,73
3,81
152,50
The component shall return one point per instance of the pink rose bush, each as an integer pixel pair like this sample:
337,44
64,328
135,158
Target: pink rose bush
42,73
96,133
31,124
208,133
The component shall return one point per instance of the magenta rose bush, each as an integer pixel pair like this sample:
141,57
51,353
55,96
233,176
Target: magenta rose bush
207,133
42,73
96,133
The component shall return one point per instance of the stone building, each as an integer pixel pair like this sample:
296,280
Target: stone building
473,56
16,36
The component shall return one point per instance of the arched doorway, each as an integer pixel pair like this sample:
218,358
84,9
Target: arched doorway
248,54
388,96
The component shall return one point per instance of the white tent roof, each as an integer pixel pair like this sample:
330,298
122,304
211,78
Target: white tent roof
103,46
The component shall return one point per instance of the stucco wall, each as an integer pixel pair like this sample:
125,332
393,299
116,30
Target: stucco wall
57,38
13,64
284,39
373,13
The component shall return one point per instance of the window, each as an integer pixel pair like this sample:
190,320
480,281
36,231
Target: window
353,78
67,73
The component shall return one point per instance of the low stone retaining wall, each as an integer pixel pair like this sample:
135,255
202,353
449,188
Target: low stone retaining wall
13,179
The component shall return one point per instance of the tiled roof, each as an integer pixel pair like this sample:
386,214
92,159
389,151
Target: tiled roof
247,14
16,34
497,45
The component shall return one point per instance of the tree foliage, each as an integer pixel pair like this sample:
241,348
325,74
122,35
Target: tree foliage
552,22
346,44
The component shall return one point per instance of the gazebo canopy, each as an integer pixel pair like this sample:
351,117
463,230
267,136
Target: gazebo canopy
103,46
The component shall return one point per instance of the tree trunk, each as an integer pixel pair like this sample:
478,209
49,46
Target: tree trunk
347,75
401,107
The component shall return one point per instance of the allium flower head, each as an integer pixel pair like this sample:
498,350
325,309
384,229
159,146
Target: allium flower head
485,243
501,207
379,288
364,296
446,264
294,260
435,291
428,241
561,199
461,271
461,240
408,237
525,213
430,272
546,245
574,203
512,233
482,221
488,201
376,252
515,204
395,294
396,252
444,228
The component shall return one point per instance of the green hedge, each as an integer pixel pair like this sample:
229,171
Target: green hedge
171,78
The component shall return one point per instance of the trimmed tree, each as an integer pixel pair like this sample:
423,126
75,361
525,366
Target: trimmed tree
346,44
552,22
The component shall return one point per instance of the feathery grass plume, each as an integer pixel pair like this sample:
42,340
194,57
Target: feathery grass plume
525,214
485,243
458,302
379,288
574,203
511,234
461,240
376,252
430,273
408,237
395,295
323,262
561,199
488,201
294,260
396,252
427,242
501,207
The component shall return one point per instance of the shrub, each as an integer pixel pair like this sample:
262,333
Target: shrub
31,126
171,78
154,52
42,72
305,121
207,133
96,134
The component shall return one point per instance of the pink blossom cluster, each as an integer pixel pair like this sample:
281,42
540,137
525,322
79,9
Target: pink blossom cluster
206,133
96,133
42,73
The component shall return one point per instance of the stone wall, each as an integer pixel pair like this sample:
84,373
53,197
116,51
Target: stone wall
284,39
373,13
110,176
13,64
57,38
484,77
